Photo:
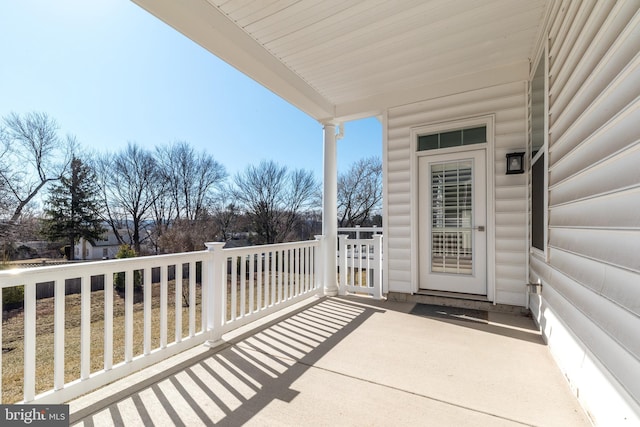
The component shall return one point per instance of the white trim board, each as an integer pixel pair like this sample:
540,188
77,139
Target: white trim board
489,146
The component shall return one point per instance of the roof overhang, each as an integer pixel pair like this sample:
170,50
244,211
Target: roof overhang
207,26
339,60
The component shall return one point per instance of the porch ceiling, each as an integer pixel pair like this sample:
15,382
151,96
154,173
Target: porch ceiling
346,59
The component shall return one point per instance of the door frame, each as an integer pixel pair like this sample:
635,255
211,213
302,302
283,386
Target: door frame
489,146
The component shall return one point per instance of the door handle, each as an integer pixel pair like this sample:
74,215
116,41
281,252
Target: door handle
479,228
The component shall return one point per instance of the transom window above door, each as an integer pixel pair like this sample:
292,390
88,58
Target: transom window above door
456,138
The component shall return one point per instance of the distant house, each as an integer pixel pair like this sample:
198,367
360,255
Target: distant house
107,248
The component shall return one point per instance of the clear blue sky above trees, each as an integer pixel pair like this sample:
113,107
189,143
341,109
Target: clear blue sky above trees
110,73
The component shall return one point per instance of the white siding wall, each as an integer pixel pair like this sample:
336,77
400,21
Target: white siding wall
590,303
508,104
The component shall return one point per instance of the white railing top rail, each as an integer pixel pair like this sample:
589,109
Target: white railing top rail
46,273
373,229
16,276
248,250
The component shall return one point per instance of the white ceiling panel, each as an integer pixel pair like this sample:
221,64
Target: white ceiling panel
343,52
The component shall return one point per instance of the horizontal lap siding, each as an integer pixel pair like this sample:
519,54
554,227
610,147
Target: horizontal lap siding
507,102
594,183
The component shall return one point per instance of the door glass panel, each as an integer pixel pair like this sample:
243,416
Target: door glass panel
451,212
429,142
456,138
474,135
451,139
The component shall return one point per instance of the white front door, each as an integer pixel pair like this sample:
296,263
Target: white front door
452,225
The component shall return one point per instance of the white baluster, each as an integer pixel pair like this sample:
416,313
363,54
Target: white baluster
164,298
85,327
108,321
58,334
128,316
147,293
192,298
29,341
178,302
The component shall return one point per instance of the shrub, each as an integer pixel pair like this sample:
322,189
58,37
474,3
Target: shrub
125,251
12,297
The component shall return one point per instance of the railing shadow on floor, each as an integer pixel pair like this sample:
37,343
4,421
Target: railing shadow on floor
230,384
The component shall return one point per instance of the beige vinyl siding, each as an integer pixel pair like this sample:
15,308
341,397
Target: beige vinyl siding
592,271
507,103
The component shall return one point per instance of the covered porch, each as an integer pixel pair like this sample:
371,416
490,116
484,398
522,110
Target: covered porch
554,81
351,361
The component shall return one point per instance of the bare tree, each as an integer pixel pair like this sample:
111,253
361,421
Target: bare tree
191,178
32,156
274,198
162,211
225,215
359,192
186,235
130,187
103,168
5,190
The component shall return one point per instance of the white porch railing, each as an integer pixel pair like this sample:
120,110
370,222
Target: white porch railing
360,262
213,292
358,230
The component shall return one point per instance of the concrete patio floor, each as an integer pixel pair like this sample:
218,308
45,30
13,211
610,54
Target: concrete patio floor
350,362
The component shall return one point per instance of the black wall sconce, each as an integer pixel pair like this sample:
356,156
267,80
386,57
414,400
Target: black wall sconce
515,163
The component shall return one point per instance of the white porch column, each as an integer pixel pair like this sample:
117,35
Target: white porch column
330,210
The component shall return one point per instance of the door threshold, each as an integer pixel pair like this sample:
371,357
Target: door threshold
456,299
453,295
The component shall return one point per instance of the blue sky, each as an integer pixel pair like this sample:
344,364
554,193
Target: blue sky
110,73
